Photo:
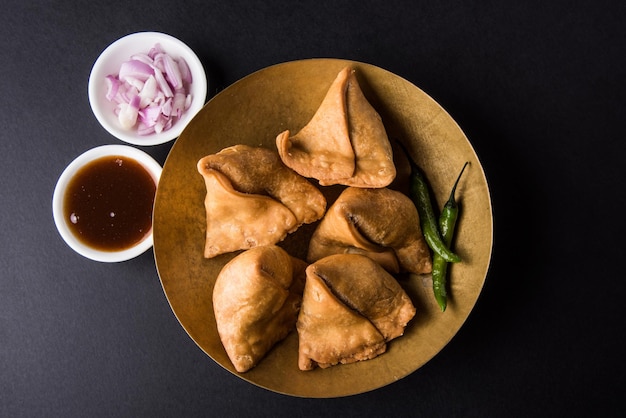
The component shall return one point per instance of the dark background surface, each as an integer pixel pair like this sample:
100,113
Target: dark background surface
539,89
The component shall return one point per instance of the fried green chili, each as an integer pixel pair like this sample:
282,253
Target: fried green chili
428,221
447,222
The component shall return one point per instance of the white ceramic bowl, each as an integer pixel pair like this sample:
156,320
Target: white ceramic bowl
109,62
62,224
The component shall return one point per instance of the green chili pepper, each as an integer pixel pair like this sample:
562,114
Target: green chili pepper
428,221
447,222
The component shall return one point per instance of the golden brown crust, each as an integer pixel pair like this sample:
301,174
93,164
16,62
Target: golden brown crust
322,148
254,199
257,170
345,141
330,333
237,221
374,155
380,223
351,308
364,286
256,300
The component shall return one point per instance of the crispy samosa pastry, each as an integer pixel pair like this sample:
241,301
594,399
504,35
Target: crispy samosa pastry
254,199
237,221
345,142
331,333
382,224
364,286
256,300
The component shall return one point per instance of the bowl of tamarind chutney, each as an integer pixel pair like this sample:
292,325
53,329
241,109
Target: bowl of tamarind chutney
103,202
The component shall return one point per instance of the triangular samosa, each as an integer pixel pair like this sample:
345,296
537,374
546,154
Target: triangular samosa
363,285
254,199
382,224
331,333
345,141
238,221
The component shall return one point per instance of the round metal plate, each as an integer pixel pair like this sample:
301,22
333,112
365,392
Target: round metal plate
254,111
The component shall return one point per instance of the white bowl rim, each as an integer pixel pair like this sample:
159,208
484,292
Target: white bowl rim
151,165
108,62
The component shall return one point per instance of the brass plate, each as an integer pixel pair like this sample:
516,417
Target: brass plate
253,111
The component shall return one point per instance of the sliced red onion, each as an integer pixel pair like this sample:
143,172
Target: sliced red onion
125,93
129,112
172,72
155,50
113,85
135,69
148,93
145,58
166,108
178,106
185,72
135,82
150,115
151,91
162,82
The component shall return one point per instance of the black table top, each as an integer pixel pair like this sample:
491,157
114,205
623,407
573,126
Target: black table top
538,88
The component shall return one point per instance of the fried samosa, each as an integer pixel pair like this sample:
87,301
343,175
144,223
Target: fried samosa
256,300
351,308
345,141
254,199
366,287
331,333
382,224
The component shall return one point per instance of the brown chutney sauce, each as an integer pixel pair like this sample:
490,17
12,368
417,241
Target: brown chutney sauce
108,203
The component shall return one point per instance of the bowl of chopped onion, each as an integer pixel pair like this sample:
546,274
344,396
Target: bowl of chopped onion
145,87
